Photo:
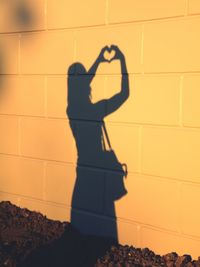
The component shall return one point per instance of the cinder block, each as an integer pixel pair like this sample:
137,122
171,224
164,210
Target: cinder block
124,140
162,242
189,246
47,139
57,212
9,135
22,176
128,38
191,94
171,153
22,15
9,103
31,96
190,202
128,233
23,96
14,199
9,54
159,241
172,46
194,7
153,99
33,205
150,200
5,19
75,14
56,96
47,52
52,211
59,183
133,10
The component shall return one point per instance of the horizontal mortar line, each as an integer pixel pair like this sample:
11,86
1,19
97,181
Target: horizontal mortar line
104,25
160,229
190,127
37,159
80,27
175,179
190,236
31,198
144,21
142,124
30,74
34,158
103,74
21,115
130,221
125,123
171,72
8,193
56,204
22,32
9,155
165,126
97,168
20,195
49,203
45,159
132,22
33,116
94,214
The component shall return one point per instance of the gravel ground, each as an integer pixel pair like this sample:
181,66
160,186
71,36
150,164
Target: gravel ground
29,239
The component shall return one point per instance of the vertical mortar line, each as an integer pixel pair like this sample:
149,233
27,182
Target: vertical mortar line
138,236
140,148
45,97
186,10
75,47
106,11
142,50
19,75
45,14
19,136
179,208
19,54
181,101
44,181
105,86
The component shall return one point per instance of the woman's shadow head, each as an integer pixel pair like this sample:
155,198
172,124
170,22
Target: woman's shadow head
77,69
78,83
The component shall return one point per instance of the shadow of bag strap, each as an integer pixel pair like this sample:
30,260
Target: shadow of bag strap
106,135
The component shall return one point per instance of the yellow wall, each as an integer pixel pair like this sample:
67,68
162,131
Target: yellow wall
156,132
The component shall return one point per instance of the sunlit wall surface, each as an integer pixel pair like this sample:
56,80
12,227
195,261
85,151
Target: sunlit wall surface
156,132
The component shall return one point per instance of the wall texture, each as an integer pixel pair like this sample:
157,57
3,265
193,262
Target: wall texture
156,132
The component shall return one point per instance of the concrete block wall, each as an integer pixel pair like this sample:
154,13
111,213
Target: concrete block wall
156,132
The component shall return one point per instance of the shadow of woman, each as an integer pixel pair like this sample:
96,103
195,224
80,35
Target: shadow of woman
99,175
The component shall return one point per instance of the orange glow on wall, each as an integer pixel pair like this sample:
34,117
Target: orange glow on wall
156,132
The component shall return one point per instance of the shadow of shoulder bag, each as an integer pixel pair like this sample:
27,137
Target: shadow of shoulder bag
115,180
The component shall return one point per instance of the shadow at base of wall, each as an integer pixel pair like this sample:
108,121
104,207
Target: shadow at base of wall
72,249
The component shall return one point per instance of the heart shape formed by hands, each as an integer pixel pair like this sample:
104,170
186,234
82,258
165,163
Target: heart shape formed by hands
109,54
